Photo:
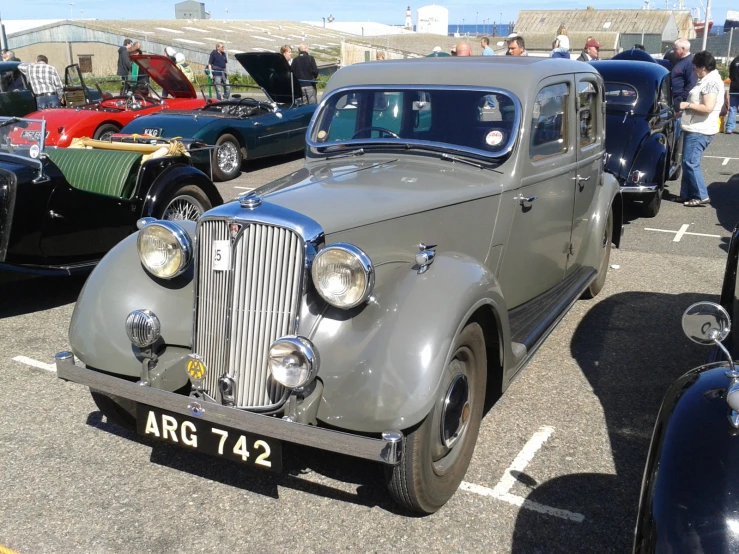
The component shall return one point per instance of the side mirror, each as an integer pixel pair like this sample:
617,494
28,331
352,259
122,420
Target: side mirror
706,323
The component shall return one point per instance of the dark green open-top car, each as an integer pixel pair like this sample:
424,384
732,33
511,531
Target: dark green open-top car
449,214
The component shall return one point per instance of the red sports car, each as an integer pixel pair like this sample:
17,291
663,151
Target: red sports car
103,118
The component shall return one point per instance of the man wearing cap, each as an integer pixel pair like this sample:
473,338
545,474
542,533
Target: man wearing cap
590,53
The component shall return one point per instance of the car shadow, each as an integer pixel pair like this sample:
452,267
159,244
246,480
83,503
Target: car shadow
725,202
629,371
272,161
23,295
303,470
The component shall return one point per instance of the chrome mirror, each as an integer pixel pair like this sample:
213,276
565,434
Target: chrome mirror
706,323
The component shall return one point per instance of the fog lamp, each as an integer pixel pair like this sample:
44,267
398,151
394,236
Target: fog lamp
293,361
143,328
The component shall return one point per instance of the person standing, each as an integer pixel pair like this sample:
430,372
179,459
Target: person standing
287,51
700,125
733,96
124,60
485,44
462,49
517,46
591,51
217,64
45,82
306,70
682,74
184,66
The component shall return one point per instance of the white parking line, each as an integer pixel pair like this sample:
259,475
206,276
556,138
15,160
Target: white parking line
679,234
722,158
244,188
726,161
35,363
502,489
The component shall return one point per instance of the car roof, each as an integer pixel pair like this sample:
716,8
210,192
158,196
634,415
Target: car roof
645,77
8,65
517,74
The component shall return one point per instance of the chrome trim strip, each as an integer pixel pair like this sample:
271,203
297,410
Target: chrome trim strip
515,129
639,188
385,451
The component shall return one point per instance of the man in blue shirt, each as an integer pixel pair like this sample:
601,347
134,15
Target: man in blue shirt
217,67
683,78
486,50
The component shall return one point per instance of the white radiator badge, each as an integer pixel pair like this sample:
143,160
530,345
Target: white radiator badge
221,255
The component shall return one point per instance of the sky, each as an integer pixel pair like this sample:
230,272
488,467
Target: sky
391,12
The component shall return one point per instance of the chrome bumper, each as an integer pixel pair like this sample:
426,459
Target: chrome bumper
638,188
387,450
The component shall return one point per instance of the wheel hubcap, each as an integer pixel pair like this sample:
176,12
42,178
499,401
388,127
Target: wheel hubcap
456,411
183,207
228,157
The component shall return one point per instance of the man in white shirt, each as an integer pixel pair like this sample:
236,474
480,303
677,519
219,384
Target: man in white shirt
45,82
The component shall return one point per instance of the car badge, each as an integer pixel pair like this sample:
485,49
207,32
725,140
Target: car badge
197,370
250,200
234,228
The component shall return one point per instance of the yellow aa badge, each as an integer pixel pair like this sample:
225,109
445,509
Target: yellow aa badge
196,368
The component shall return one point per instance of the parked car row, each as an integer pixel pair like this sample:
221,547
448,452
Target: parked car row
371,303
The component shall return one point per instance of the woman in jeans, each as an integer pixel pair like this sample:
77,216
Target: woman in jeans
700,125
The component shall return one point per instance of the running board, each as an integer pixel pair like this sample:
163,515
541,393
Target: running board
529,328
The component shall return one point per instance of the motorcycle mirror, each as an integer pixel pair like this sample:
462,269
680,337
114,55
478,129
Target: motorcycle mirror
706,323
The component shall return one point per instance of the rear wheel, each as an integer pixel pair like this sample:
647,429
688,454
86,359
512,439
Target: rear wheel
651,205
437,454
185,202
118,411
227,158
104,132
597,285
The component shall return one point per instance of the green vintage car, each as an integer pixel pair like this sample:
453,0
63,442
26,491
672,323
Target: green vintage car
449,214
17,98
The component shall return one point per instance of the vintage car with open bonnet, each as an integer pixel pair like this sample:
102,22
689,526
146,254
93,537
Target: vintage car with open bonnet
449,213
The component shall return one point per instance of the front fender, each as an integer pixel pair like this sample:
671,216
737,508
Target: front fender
118,285
688,499
381,365
172,178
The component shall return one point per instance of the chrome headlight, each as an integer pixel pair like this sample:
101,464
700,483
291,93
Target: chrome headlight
165,249
293,361
143,328
343,275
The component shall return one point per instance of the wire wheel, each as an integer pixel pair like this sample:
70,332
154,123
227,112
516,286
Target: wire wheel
183,206
228,157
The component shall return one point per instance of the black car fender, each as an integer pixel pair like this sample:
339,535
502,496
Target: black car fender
382,363
172,178
650,160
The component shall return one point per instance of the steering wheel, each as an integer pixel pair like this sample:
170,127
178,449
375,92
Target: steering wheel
133,99
378,129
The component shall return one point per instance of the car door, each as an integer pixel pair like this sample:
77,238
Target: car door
590,150
297,120
535,256
270,134
76,92
16,98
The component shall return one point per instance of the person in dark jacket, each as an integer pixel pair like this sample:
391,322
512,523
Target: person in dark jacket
305,69
733,96
683,77
124,60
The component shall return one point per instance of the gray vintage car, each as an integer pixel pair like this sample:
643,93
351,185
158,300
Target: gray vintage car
449,213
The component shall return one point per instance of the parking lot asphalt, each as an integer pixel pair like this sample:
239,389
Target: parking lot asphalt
557,467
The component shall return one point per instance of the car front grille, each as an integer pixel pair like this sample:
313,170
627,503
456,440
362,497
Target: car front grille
242,311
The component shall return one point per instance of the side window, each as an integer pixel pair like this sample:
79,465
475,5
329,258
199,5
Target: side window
665,93
11,80
549,122
587,95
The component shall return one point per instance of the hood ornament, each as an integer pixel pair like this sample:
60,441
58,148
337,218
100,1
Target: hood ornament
250,200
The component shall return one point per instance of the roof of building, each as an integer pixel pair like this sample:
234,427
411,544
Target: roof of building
543,41
589,20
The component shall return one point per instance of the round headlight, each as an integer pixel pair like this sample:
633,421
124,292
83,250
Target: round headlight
165,249
293,361
143,328
343,275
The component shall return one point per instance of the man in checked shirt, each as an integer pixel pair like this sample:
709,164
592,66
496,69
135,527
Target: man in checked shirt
45,82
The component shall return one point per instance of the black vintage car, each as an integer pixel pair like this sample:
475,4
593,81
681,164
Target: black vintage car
690,492
62,209
641,149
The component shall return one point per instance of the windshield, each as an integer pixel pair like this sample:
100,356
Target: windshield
620,95
22,137
475,121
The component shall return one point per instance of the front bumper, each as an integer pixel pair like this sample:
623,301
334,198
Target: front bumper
387,450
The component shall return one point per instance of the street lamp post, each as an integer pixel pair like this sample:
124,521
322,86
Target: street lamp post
465,32
476,33
71,15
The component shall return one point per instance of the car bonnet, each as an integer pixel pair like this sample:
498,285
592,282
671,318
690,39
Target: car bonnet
271,71
166,74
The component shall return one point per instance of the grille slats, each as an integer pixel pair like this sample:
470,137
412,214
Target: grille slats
241,312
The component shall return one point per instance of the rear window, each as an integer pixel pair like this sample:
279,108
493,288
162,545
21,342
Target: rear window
484,121
620,94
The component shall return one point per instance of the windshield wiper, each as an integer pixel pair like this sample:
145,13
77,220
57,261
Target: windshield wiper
452,158
355,152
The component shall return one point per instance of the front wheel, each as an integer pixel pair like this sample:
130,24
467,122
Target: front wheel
187,202
438,452
597,285
227,158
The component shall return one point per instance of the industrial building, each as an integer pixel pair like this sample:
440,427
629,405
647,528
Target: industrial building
189,9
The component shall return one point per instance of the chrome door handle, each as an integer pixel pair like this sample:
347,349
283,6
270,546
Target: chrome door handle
578,178
525,199
55,215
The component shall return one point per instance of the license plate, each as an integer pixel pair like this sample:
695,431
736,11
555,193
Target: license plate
32,135
203,436
153,132
221,255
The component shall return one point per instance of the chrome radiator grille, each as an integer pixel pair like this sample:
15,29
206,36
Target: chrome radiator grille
241,312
